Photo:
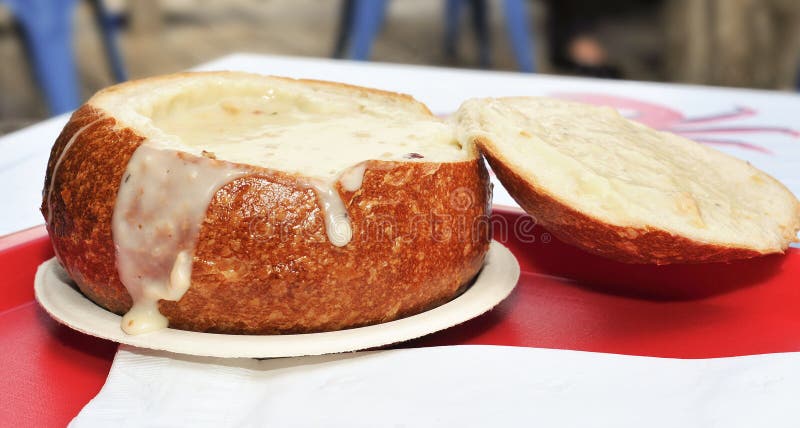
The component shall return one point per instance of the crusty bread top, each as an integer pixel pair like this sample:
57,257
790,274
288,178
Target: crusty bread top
313,128
623,174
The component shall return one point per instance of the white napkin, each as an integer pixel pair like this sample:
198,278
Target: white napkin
455,386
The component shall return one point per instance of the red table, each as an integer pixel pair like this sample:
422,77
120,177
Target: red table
566,299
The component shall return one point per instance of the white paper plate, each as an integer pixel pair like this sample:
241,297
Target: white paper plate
68,306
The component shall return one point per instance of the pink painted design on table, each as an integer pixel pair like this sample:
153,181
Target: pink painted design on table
697,128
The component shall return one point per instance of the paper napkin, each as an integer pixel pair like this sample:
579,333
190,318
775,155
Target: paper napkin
454,386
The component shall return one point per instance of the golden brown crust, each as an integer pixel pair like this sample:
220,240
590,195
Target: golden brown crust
418,237
625,244
82,201
251,264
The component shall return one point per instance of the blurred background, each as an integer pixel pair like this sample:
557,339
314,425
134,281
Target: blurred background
56,53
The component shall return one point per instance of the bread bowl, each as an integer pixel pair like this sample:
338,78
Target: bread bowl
237,203
617,188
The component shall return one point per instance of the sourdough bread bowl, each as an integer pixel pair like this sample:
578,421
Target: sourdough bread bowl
617,188
237,203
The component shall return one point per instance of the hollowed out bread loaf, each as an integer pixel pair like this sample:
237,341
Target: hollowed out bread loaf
620,189
265,259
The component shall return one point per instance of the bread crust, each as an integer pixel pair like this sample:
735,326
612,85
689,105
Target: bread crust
263,263
626,244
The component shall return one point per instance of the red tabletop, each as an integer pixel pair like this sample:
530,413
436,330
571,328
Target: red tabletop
565,299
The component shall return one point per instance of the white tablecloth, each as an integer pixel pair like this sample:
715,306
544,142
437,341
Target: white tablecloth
759,126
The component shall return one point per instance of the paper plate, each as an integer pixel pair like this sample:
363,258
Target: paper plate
68,306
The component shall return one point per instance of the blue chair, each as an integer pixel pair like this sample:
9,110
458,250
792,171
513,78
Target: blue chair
47,28
362,20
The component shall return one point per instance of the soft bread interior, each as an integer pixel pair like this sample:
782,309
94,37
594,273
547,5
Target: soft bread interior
309,128
622,173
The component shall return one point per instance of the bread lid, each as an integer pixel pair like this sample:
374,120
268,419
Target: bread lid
617,188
